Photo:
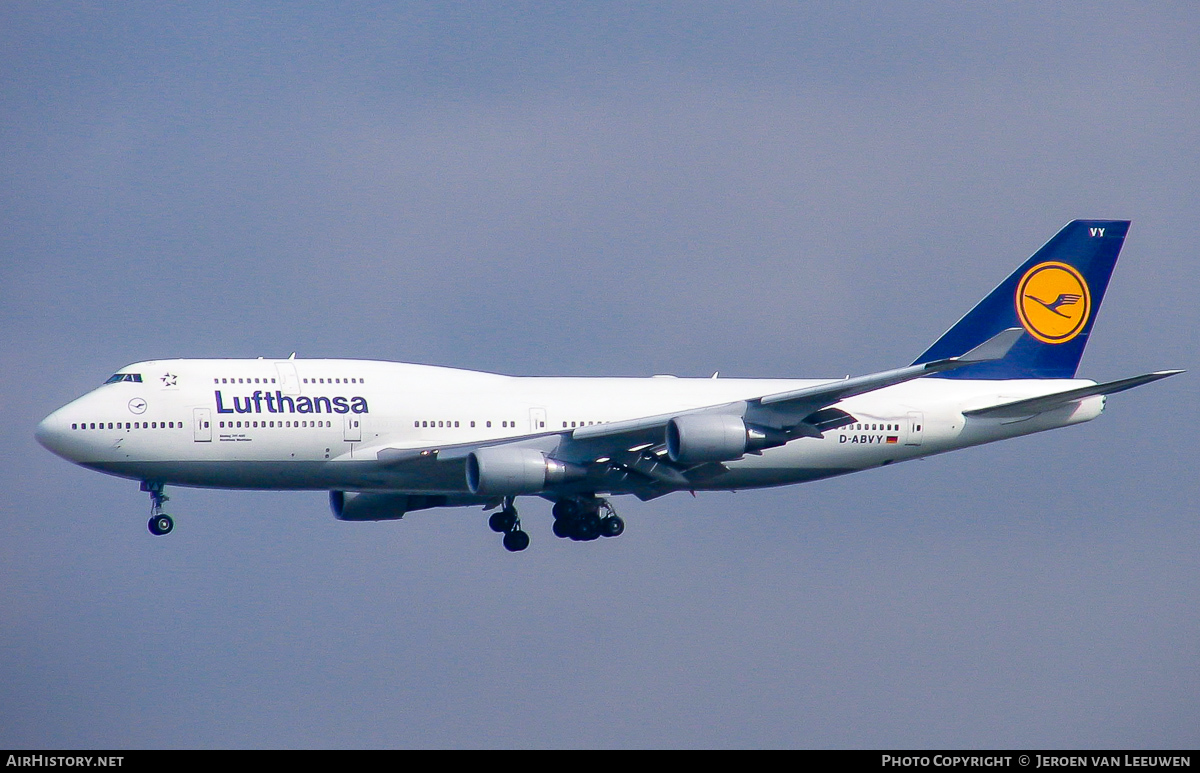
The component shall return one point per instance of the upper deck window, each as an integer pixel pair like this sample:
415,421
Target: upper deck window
134,377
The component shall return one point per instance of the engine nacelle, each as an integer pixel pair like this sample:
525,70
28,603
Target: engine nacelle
508,471
706,438
356,506
701,438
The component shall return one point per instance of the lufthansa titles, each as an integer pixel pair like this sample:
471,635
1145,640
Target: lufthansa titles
266,402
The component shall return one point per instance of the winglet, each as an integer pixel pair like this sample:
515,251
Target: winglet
995,348
821,395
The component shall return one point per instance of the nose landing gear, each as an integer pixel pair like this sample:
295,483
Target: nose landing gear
160,523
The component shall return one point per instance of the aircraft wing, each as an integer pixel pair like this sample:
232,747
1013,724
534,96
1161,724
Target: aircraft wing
639,444
798,413
1035,405
814,398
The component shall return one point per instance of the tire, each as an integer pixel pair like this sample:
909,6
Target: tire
613,526
587,528
516,541
161,524
502,521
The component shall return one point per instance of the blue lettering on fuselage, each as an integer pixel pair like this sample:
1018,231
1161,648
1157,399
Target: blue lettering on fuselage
281,403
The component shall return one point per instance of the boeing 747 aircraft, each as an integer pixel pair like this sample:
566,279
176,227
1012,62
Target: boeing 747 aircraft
388,438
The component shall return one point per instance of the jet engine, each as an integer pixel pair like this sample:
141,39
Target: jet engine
508,471
701,438
357,506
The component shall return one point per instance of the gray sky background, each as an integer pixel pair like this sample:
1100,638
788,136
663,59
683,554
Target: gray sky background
601,189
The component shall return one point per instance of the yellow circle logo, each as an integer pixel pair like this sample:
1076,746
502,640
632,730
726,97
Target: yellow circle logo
1053,302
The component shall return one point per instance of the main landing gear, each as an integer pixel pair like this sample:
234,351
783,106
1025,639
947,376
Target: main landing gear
583,519
586,518
160,523
506,521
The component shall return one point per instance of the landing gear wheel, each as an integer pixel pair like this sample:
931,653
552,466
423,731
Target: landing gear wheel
587,528
507,522
503,520
516,540
612,526
161,524
586,518
565,510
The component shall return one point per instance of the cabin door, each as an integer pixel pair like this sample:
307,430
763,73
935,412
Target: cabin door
201,425
916,425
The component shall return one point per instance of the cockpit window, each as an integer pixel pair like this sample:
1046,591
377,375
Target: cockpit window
134,377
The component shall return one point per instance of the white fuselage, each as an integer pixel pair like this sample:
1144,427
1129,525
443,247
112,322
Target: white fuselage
322,424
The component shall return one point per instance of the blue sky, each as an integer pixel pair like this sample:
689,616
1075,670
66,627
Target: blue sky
595,189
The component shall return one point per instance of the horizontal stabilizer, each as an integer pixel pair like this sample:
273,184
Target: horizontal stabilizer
1033,405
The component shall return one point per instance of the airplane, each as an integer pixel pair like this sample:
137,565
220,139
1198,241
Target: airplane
386,438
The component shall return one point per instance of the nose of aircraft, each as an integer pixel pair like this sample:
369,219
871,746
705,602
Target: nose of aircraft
50,433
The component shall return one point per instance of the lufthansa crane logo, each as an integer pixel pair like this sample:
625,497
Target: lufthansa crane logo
1053,302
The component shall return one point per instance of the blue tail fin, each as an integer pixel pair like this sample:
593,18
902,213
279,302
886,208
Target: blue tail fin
1054,296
